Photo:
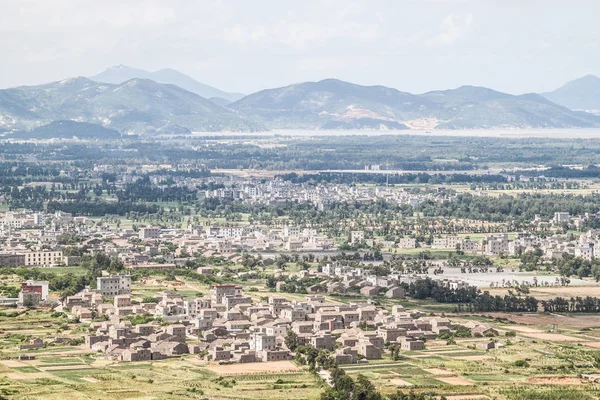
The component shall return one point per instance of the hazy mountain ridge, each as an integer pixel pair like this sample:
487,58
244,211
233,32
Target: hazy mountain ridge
143,106
136,106
579,94
330,102
121,73
68,130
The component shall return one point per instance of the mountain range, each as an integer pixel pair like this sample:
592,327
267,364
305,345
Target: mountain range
579,94
143,106
331,103
69,130
122,73
136,106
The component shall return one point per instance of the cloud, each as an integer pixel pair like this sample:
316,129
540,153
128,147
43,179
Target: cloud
454,27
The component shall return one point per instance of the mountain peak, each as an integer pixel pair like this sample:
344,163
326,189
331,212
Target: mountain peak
75,80
119,74
579,94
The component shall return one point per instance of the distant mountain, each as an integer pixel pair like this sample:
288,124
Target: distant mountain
336,104
68,130
121,73
580,94
471,107
136,106
329,103
143,106
220,101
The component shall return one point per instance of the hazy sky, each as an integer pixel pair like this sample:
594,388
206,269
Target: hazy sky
246,45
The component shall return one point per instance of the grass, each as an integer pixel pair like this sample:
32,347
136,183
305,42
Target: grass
168,379
27,370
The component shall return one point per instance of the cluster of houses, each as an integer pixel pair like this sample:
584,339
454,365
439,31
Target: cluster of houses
340,278
586,246
31,239
228,326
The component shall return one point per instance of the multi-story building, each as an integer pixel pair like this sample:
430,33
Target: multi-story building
357,236
231,231
43,258
114,285
291,230
149,233
219,292
12,259
261,341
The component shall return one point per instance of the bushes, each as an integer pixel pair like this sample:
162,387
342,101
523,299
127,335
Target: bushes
545,393
521,363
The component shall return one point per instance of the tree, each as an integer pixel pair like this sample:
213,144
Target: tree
291,340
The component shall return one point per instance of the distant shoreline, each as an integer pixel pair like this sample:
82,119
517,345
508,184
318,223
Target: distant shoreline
551,133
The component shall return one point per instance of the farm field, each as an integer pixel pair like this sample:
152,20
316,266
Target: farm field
77,378
532,356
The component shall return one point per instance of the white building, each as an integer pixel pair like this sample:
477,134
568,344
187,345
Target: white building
114,285
149,233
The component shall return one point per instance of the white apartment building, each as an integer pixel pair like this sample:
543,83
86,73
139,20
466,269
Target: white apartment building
291,230
231,231
261,341
114,285
448,242
149,233
43,258
561,217
357,236
406,243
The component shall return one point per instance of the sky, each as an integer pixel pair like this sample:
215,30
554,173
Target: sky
515,46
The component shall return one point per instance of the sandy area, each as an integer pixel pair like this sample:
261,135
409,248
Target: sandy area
553,337
455,380
400,382
13,363
595,345
88,379
524,329
64,367
32,375
565,291
271,366
468,397
473,358
580,321
439,371
555,380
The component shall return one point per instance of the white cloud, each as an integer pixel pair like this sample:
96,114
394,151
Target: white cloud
246,45
454,27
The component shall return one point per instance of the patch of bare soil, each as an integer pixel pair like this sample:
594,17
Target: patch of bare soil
455,380
473,358
439,371
400,382
578,321
555,380
553,337
271,366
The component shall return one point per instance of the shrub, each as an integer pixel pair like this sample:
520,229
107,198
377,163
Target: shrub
521,363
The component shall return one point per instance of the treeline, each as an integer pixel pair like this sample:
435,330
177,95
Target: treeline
144,190
393,179
519,208
591,171
586,304
471,299
100,208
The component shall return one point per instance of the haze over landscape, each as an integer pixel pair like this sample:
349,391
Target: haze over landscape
310,200
315,66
